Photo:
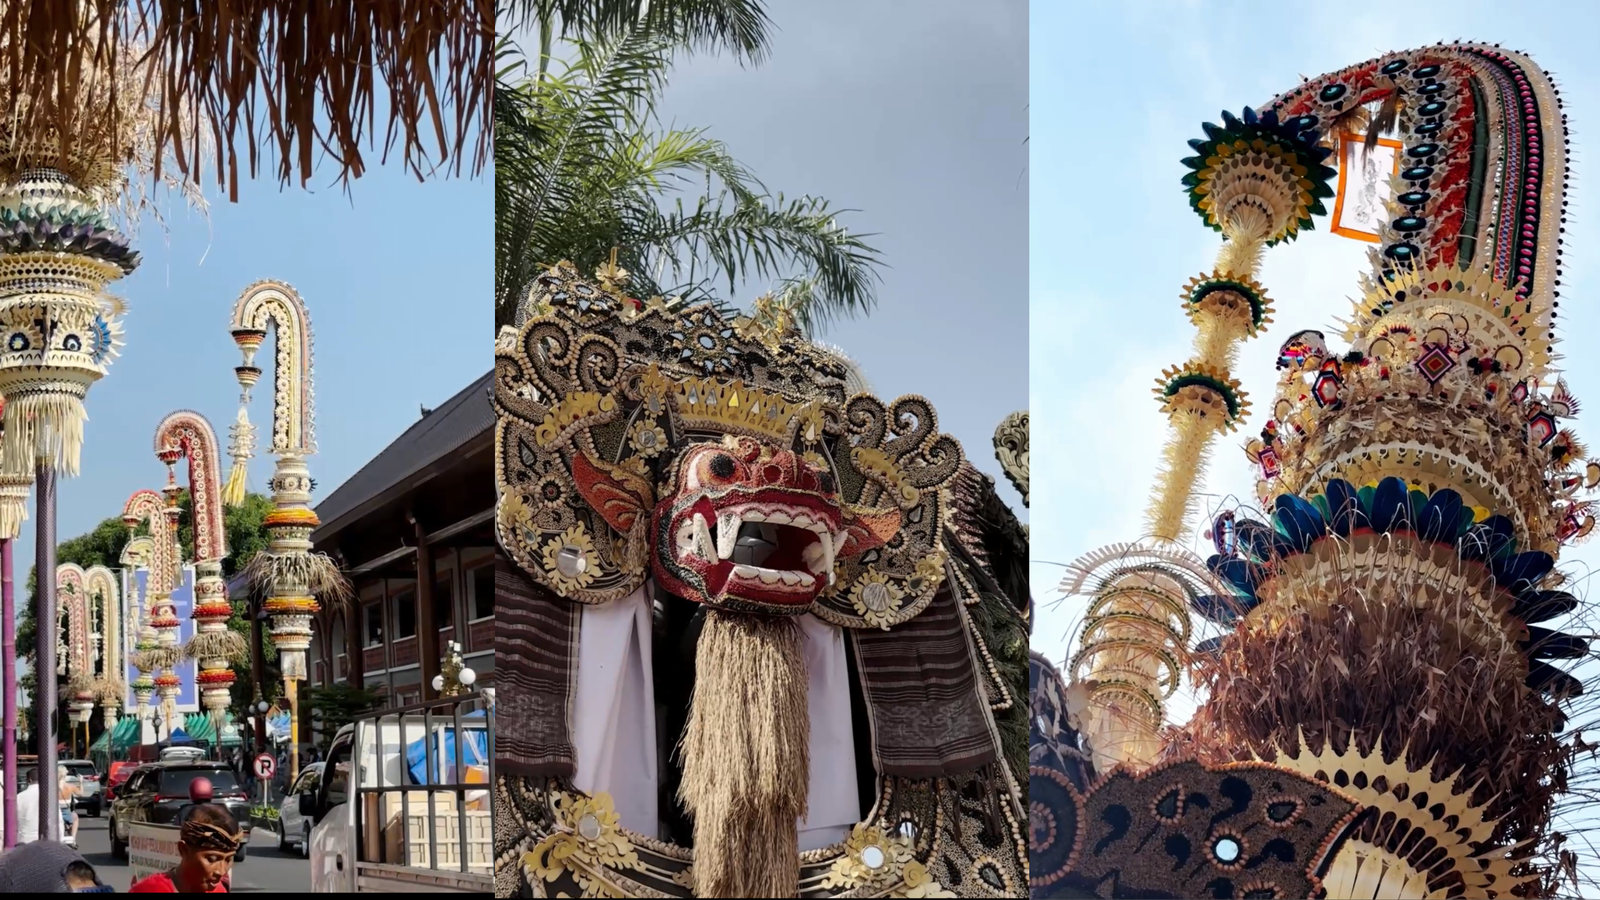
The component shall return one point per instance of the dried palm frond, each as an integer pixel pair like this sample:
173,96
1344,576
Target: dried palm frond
1363,670
252,75
157,658
317,571
227,644
109,689
1384,120
96,124
75,684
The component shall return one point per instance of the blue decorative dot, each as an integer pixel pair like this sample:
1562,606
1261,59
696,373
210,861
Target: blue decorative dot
1404,252
1417,173
1410,223
1423,151
1393,67
1432,108
1430,88
18,342
72,343
1426,72
1429,127
1332,92
1412,198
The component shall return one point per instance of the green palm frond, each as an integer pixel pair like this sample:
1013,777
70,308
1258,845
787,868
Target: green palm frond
583,166
738,26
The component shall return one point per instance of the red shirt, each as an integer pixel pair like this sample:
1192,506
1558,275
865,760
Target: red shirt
161,883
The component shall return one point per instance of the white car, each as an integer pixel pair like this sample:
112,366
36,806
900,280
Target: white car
294,828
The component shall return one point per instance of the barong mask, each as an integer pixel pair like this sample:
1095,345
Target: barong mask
643,439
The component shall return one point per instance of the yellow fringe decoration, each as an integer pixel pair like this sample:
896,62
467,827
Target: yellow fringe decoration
1184,467
13,512
43,427
746,756
233,490
1246,234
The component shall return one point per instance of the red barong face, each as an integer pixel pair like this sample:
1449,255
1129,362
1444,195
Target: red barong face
752,528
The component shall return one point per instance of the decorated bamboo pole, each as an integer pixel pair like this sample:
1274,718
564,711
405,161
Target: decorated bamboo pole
186,434
111,686
290,573
1257,182
155,651
14,491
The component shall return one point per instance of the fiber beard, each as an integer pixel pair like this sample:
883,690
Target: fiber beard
746,756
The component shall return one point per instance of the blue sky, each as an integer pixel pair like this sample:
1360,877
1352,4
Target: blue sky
397,278
902,123
1116,91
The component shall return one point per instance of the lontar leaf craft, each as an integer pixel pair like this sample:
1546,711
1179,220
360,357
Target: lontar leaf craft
1183,829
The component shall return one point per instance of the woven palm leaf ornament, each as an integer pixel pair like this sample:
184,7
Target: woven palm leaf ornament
1391,623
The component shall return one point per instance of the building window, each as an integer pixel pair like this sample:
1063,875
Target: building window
373,614
444,601
405,613
483,592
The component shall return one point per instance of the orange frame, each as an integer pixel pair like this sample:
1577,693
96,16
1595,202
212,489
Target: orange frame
1348,139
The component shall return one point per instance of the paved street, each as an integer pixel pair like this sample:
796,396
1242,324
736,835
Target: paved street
264,869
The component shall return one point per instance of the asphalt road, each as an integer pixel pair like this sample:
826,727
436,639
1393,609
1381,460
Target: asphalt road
264,869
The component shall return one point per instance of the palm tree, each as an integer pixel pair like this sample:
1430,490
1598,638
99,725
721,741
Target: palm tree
583,168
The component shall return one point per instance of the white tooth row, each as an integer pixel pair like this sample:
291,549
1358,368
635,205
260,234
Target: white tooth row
772,576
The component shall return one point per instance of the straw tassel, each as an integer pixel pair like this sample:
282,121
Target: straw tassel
746,756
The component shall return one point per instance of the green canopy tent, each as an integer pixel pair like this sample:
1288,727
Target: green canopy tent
200,729
114,743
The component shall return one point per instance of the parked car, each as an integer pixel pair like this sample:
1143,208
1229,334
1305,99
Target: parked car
294,828
157,792
89,799
116,777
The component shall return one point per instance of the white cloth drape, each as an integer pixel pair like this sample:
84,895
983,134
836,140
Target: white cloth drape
614,720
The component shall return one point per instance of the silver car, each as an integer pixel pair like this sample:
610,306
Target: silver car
89,799
294,828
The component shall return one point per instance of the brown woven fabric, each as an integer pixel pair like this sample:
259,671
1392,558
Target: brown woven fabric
928,717
536,663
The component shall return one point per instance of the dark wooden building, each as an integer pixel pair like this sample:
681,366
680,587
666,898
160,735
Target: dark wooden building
424,505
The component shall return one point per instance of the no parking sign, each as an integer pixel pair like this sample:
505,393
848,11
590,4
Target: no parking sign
265,766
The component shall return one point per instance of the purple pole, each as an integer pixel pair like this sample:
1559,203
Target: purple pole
8,684
44,700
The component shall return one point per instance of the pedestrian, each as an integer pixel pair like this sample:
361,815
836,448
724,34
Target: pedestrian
207,842
28,812
66,794
49,868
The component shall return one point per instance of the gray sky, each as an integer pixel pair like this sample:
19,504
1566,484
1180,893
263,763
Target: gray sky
916,115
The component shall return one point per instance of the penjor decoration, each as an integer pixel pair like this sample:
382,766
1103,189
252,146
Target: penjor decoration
110,687
1390,622
138,554
78,661
661,462
156,650
181,435
289,573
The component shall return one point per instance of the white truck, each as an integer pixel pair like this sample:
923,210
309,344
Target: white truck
418,816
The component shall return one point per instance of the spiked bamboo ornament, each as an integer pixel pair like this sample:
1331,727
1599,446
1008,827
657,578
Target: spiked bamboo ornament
186,434
1256,181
